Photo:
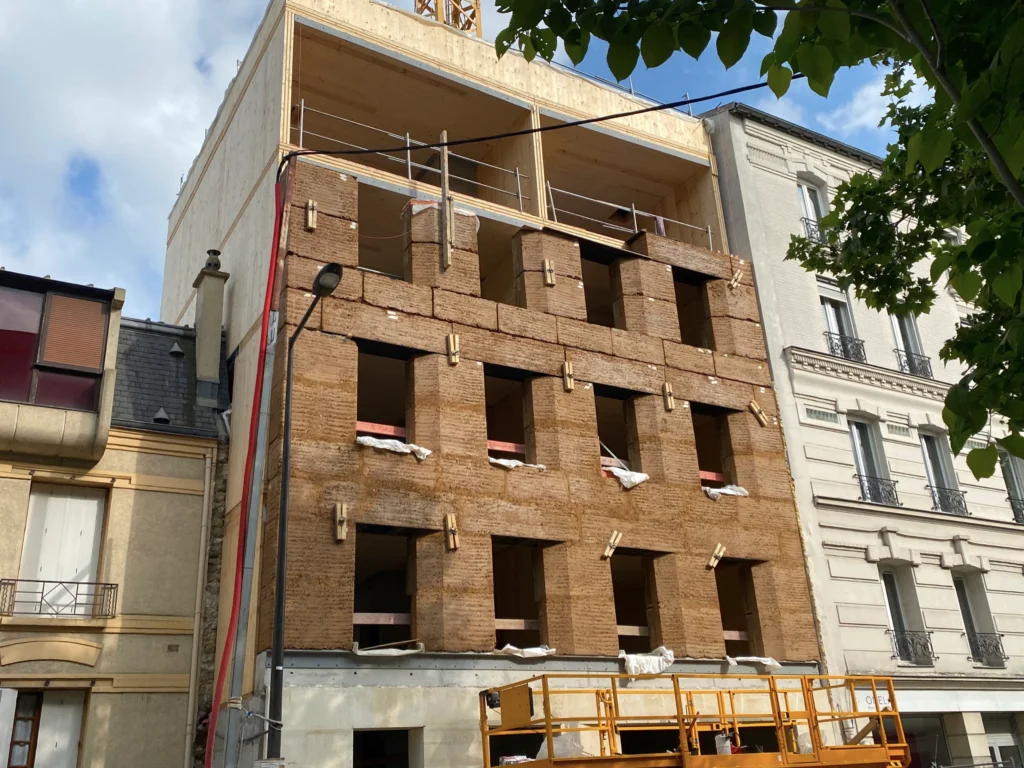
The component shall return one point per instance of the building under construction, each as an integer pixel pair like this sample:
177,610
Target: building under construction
534,429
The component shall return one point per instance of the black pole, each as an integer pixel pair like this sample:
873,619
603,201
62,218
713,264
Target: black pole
277,660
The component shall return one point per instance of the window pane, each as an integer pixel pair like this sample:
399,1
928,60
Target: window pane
22,730
67,390
26,705
20,313
19,755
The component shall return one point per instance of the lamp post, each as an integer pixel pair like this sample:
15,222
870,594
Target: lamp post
326,281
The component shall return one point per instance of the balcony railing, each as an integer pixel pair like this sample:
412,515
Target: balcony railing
952,501
914,364
878,490
987,648
845,346
812,231
1017,505
912,646
32,597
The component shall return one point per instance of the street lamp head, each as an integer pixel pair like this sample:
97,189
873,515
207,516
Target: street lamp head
327,279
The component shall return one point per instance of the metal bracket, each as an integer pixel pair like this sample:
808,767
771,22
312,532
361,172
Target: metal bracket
549,272
446,210
451,532
311,215
670,401
613,542
567,378
340,521
759,414
736,279
716,555
452,344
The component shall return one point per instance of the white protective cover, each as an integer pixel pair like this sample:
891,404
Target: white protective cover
397,446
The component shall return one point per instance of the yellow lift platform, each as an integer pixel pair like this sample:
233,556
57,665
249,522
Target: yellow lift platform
759,721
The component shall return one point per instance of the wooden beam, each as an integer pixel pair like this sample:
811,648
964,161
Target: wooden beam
732,634
499,445
384,430
382,619
516,624
627,630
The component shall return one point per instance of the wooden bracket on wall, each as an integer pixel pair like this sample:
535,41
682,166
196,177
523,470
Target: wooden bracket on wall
549,272
759,414
340,521
452,345
737,276
716,555
613,542
445,217
451,532
670,401
567,378
311,215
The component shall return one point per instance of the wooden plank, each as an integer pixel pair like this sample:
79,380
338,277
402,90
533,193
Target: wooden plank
732,634
608,461
516,624
626,630
382,619
717,477
370,428
499,445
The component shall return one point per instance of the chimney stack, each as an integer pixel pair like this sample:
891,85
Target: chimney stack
209,285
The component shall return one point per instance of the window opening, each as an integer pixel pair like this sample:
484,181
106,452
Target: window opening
911,643
965,605
869,462
893,605
598,283
738,607
515,565
632,577
692,308
381,231
46,728
384,586
935,462
904,329
714,451
383,405
504,395
985,643
381,749
810,202
1013,478
497,265
613,426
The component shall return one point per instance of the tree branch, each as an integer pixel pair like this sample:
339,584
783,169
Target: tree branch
940,47
860,14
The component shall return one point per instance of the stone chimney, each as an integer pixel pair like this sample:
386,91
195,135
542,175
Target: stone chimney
209,285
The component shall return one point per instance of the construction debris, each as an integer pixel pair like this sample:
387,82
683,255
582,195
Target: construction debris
528,653
396,446
653,663
726,490
767,661
632,479
513,463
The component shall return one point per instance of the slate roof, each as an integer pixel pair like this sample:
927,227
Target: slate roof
150,377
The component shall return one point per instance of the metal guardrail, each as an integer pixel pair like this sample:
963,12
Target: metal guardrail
847,347
412,145
34,597
912,646
987,648
812,230
914,364
878,490
629,213
952,501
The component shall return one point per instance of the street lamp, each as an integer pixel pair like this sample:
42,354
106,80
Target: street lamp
327,279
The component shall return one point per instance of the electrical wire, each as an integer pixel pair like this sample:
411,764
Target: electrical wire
525,131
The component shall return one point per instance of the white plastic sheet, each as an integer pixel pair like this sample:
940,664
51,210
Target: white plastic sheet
768,661
416,648
627,478
729,490
723,743
388,444
653,663
528,653
513,463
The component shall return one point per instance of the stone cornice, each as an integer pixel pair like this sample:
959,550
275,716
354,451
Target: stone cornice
840,368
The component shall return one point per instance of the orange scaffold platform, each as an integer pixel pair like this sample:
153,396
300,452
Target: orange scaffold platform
760,721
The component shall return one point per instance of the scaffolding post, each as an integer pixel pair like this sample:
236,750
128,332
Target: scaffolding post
519,190
302,120
711,242
551,202
636,227
445,219
408,157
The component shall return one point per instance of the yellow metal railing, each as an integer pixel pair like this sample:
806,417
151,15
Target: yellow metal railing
773,720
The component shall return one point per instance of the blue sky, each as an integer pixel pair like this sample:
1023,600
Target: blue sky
108,122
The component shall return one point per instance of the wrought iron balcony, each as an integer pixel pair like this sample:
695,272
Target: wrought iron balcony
912,646
952,501
845,346
68,599
812,230
987,648
878,490
1017,505
914,364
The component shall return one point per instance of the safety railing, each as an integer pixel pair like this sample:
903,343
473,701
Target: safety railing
878,490
912,646
914,364
629,217
952,501
987,648
1017,505
303,131
761,721
812,230
846,347
68,599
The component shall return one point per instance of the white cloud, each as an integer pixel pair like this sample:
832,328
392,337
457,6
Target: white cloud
867,107
786,108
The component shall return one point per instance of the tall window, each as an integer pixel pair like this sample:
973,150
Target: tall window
938,464
51,348
1013,477
45,729
910,643
909,351
840,336
870,463
985,644
811,209
60,555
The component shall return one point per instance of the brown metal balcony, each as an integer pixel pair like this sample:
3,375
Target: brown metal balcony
63,599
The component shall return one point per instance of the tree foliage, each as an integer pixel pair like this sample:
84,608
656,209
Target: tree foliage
947,203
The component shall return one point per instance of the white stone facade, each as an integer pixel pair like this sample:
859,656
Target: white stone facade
933,561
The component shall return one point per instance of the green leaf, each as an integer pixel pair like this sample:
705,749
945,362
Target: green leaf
835,24
622,58
545,41
765,22
779,79
558,20
577,50
787,41
657,44
935,146
767,62
527,14
733,39
967,284
815,61
504,41
1014,443
941,263
914,147
949,418
982,461
693,38
1006,285
972,100
526,45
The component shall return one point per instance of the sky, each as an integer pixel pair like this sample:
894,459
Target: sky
107,104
